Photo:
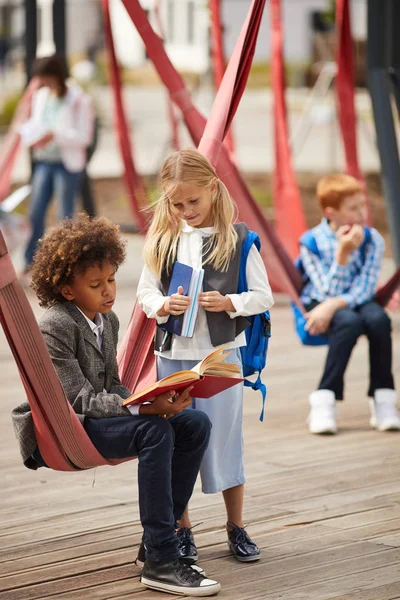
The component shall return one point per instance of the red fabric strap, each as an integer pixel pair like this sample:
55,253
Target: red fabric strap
289,216
12,142
218,57
7,271
345,88
133,182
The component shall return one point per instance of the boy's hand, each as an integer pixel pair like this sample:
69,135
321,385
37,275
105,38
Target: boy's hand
175,305
216,302
320,317
349,240
168,404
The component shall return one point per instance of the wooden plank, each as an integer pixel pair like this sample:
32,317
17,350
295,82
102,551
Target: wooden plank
389,540
261,577
80,582
380,592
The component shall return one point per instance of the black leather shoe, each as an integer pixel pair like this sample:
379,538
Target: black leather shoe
177,577
241,545
187,547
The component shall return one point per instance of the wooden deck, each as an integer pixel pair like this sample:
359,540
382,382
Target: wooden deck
324,510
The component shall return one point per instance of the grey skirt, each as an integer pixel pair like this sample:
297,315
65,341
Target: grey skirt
222,467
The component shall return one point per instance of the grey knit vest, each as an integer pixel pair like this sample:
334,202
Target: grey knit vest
222,328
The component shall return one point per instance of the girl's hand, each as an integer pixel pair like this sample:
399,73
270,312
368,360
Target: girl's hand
175,305
46,139
215,302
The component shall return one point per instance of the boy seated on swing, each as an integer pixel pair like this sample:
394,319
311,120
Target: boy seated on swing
339,300
73,276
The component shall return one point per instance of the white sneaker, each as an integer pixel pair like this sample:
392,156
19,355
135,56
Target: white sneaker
384,413
322,415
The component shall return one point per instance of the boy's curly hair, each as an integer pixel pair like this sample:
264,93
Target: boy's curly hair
72,247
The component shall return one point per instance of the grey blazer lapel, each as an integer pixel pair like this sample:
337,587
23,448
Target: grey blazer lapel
83,325
108,350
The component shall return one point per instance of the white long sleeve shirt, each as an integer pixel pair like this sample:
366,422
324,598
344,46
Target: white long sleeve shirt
256,300
73,128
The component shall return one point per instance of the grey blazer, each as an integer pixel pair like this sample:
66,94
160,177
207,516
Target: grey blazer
89,376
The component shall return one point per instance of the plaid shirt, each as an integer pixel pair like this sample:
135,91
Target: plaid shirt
355,282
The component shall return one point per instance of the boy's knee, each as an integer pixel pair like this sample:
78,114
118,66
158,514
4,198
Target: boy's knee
350,321
378,321
196,422
203,422
156,430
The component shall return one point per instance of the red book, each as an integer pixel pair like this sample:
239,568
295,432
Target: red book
208,378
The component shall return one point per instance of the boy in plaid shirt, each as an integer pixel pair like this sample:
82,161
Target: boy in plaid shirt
339,299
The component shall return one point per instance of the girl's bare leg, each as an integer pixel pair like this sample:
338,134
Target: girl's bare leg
233,498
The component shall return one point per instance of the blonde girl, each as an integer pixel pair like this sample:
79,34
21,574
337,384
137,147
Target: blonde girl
193,224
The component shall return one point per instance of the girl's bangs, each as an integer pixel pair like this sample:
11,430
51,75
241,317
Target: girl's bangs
167,194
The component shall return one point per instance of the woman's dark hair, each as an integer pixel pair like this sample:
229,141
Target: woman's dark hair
52,66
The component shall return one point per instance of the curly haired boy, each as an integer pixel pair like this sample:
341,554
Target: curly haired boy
73,276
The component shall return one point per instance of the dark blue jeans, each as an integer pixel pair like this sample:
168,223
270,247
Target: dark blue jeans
170,452
346,327
49,178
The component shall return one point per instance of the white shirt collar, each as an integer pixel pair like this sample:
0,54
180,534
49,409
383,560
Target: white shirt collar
186,228
97,326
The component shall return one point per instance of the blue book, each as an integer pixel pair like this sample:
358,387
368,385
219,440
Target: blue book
181,276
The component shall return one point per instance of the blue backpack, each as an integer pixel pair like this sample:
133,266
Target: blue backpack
254,354
308,240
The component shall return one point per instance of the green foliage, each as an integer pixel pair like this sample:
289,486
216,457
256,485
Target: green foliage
329,15
260,74
261,195
8,109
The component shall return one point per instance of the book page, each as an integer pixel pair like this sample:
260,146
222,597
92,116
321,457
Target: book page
214,364
226,370
178,378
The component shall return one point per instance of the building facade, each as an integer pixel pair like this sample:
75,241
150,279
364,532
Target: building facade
185,24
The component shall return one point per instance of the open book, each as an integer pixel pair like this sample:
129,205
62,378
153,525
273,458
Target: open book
208,378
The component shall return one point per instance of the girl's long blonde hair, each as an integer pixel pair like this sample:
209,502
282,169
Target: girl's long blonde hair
160,248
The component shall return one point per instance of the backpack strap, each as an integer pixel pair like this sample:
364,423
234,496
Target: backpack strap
251,238
308,240
367,239
258,385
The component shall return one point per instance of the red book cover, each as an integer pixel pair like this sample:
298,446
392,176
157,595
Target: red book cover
205,387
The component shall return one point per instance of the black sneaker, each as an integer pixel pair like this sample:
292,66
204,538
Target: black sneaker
177,577
241,545
187,547
141,557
